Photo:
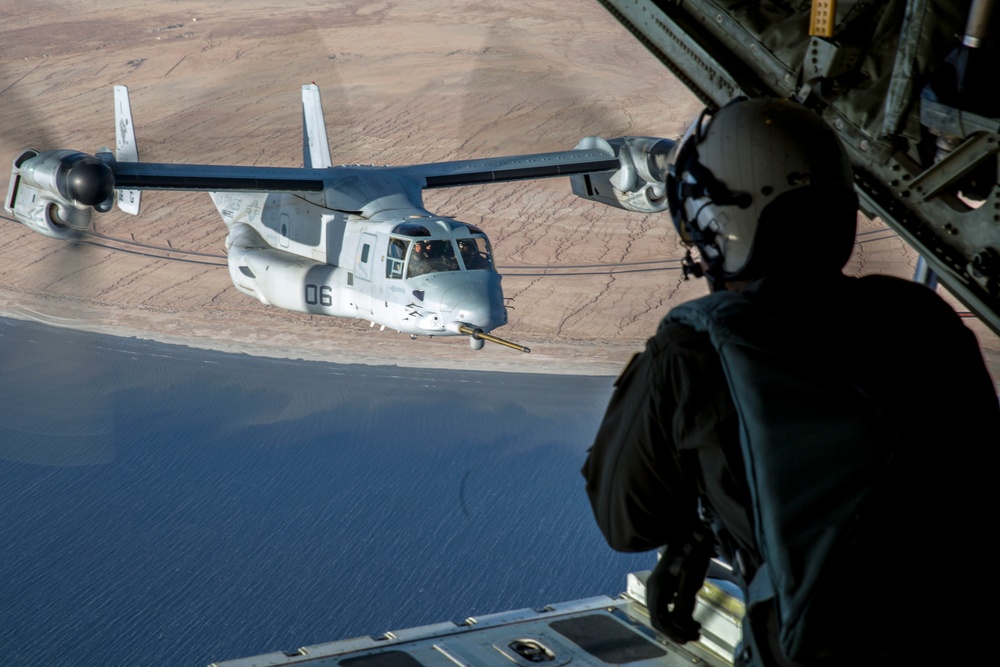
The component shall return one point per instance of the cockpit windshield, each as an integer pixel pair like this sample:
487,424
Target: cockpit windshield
475,253
431,256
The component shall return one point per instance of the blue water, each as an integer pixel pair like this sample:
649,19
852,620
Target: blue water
170,506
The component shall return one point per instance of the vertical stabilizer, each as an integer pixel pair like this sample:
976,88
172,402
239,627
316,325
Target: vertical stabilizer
125,148
315,149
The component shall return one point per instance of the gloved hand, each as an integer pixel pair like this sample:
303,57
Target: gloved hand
673,586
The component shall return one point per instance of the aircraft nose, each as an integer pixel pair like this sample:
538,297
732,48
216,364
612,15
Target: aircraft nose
479,315
476,305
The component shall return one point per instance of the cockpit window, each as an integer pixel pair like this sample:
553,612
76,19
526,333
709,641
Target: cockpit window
395,257
431,257
475,253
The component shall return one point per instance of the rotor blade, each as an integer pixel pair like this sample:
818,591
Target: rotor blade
57,411
19,124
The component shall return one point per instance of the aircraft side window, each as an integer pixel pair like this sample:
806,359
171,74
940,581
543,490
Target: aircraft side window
475,253
365,251
396,255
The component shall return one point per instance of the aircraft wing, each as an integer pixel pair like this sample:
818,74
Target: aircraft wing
907,86
513,168
210,178
69,185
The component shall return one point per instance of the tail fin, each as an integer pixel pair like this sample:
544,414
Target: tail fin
315,149
125,148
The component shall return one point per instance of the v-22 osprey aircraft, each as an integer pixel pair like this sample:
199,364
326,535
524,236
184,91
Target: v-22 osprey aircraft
347,241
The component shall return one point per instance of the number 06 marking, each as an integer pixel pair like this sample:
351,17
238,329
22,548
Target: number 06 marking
319,295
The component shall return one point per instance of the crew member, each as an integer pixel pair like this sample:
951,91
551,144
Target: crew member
868,398
420,259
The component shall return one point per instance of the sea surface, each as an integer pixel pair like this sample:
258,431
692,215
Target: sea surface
162,505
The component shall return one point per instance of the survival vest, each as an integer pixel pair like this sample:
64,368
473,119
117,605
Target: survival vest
815,448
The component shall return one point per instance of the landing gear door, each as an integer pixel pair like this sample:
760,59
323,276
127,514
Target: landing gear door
363,273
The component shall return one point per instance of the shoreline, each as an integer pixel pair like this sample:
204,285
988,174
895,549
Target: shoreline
336,341
278,334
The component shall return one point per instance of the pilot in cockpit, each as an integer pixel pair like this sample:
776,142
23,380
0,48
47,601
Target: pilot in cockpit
432,257
472,255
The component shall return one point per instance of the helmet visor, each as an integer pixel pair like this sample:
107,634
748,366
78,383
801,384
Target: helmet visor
678,178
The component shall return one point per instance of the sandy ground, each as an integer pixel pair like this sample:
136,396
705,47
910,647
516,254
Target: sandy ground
402,82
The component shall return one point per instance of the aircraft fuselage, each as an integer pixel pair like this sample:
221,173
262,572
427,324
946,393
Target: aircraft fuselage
409,270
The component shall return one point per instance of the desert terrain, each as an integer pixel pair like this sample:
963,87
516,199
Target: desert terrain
402,83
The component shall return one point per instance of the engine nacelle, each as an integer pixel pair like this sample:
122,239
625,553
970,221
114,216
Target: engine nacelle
54,193
639,185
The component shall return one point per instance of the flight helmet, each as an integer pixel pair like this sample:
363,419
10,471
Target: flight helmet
762,186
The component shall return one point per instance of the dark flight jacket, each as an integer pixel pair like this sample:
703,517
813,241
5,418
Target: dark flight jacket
671,434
